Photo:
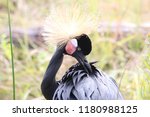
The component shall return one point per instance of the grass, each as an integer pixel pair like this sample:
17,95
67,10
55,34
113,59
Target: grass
11,50
126,59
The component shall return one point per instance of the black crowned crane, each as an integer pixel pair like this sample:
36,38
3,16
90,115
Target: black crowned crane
83,81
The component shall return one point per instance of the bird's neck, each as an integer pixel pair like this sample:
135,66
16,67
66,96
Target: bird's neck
49,84
54,64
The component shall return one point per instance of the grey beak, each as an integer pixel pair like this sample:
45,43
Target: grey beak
82,60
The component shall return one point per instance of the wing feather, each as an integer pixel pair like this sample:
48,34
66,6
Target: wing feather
77,84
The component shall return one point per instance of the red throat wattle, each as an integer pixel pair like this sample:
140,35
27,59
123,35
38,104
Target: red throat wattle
70,48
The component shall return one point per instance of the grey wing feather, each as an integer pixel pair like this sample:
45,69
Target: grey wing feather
110,89
81,86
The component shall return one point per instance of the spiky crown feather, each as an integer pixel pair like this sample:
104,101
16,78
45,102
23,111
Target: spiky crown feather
65,23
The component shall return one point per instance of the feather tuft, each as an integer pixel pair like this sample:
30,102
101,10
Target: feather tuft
65,23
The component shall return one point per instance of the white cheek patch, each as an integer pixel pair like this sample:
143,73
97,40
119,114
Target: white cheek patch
74,42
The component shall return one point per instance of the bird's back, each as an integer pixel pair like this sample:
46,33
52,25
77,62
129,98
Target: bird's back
76,84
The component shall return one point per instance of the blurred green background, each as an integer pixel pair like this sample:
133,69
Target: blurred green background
121,45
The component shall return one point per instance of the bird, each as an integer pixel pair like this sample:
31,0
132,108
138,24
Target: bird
83,80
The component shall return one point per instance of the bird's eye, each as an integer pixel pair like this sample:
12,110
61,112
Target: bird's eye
79,49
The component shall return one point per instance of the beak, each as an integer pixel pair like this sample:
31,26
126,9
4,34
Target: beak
82,60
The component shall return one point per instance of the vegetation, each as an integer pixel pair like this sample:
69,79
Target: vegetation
126,57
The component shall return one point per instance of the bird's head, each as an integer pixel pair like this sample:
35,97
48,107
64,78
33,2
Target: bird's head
79,47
